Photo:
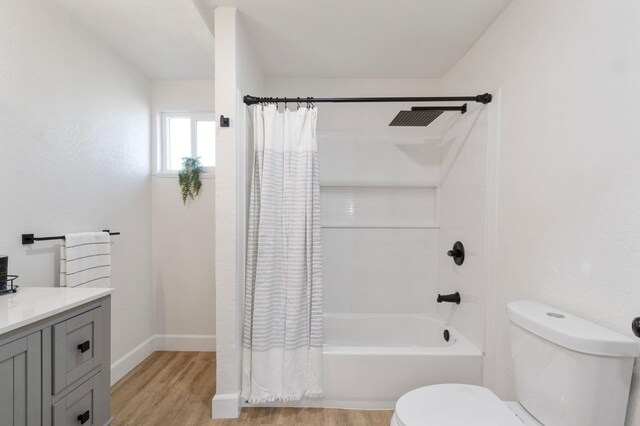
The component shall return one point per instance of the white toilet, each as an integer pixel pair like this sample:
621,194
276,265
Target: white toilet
568,372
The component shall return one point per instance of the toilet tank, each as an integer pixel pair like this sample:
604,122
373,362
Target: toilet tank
569,371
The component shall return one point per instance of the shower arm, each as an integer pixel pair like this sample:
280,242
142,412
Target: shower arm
483,99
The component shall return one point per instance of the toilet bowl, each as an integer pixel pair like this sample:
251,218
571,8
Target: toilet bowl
458,405
568,372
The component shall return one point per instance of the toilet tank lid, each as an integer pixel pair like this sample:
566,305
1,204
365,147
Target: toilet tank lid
570,331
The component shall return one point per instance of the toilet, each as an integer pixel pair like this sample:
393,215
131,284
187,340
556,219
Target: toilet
568,372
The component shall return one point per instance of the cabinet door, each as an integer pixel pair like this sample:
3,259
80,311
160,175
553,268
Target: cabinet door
21,378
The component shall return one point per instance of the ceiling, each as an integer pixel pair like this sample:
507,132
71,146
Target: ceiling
362,38
165,39
173,39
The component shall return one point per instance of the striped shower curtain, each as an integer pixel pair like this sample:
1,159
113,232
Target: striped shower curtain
282,329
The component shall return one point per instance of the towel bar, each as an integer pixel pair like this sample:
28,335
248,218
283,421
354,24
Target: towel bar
30,239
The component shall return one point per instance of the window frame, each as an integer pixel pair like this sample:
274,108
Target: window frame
194,116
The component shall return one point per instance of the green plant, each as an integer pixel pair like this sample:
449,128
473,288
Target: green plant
189,178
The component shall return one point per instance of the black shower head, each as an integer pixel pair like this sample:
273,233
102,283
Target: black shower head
422,116
415,118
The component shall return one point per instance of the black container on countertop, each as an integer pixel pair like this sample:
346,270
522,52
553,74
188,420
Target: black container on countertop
4,269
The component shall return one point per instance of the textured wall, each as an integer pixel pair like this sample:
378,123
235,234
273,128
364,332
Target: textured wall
74,156
183,236
568,222
237,73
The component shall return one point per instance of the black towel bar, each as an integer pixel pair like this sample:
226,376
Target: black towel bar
30,239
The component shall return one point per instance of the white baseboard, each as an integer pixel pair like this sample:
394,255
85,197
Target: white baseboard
226,406
185,343
121,367
160,342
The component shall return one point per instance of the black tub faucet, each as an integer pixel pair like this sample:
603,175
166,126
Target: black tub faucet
450,298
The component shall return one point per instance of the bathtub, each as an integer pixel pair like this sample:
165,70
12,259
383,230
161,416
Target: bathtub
369,360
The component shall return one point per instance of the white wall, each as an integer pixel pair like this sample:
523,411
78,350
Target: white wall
183,235
74,139
568,222
237,73
378,194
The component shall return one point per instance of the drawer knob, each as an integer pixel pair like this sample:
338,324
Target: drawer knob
84,417
84,346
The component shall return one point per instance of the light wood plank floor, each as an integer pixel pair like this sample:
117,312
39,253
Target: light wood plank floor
175,389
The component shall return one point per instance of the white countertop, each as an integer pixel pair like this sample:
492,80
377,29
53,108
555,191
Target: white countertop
32,304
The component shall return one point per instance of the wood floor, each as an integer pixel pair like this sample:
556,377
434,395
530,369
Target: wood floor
175,388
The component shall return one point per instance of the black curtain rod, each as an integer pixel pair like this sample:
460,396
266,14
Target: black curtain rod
30,239
484,99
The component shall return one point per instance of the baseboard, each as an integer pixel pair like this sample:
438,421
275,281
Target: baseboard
121,367
160,342
185,343
225,406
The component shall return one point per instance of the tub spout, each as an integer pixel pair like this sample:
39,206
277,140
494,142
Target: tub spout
450,298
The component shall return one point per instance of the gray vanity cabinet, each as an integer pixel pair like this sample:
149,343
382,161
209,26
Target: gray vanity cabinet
21,381
56,371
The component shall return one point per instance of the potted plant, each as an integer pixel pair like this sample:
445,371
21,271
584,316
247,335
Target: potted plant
189,178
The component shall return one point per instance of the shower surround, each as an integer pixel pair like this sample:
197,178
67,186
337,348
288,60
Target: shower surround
393,201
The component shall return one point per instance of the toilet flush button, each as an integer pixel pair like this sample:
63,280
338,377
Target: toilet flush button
555,315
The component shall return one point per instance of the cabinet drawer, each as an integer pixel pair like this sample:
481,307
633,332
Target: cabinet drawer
80,406
76,348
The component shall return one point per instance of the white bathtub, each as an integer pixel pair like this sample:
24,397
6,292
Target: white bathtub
369,361
372,360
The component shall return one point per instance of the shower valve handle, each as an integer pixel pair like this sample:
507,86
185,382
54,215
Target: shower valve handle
457,253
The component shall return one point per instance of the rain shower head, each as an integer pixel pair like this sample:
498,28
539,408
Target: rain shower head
415,118
423,116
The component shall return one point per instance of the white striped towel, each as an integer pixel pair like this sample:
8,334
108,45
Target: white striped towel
85,260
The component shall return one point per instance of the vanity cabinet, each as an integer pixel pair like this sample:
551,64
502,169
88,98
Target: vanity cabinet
55,371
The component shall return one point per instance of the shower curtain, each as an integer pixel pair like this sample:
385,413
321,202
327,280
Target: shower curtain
282,329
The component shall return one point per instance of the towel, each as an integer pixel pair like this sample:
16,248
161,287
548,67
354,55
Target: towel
85,260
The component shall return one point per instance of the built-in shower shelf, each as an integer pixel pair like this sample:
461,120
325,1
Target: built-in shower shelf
380,135
378,207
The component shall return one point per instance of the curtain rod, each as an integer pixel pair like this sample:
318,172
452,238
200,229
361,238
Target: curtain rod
252,100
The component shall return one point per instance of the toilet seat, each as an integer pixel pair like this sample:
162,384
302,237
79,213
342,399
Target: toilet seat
453,405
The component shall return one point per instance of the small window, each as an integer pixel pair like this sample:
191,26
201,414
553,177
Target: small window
188,135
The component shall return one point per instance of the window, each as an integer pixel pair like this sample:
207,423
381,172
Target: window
188,135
